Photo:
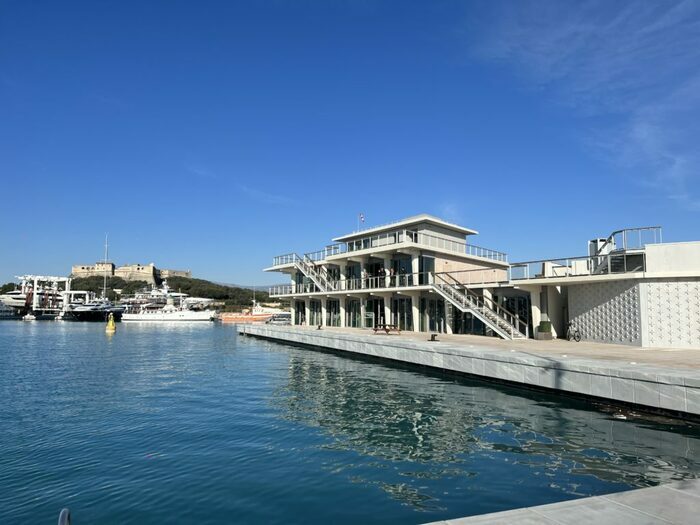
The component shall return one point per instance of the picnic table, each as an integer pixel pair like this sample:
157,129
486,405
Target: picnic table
387,328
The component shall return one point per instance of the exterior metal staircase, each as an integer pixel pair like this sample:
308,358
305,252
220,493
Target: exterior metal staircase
318,275
504,323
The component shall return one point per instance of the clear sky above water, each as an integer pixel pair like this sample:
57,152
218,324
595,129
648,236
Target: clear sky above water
215,135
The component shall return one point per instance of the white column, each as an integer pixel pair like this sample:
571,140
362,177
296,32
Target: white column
448,326
415,311
307,312
387,309
415,267
363,312
342,312
343,271
324,303
535,309
292,309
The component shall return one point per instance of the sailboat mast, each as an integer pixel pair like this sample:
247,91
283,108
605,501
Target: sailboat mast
104,280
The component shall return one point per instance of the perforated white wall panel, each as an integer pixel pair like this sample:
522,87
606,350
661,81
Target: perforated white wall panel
607,311
673,313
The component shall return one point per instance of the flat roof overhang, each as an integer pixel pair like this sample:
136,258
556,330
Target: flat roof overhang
280,268
416,219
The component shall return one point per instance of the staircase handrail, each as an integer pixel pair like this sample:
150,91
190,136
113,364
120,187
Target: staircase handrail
486,302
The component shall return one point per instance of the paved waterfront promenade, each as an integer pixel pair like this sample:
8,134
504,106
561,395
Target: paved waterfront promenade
676,503
657,379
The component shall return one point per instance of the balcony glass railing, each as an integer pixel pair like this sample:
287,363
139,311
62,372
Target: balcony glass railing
423,239
404,280
288,258
320,255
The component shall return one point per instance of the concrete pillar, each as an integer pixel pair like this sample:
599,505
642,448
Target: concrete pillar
363,312
415,311
415,267
387,309
293,310
448,326
307,312
324,309
535,307
342,312
343,278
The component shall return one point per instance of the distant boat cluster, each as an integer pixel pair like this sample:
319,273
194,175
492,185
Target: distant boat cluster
42,297
51,298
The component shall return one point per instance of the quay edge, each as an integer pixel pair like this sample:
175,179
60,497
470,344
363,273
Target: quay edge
675,503
669,391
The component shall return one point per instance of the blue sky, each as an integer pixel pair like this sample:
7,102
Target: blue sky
215,135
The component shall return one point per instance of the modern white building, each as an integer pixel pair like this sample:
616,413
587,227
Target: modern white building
423,274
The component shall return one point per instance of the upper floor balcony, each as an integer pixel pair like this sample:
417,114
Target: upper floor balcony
391,282
380,241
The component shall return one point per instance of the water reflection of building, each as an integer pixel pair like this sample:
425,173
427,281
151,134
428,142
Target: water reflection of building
436,428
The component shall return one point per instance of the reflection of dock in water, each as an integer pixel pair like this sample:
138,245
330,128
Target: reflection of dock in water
426,427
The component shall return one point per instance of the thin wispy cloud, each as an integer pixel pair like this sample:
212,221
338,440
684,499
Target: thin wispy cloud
201,172
264,196
633,65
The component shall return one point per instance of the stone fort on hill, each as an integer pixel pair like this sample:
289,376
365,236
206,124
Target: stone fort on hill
128,272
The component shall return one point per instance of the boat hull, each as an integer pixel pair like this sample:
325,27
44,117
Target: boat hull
244,319
188,316
94,316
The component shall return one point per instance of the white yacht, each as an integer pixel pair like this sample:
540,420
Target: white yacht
15,298
168,313
163,305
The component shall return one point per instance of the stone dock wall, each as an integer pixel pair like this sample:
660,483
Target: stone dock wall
673,391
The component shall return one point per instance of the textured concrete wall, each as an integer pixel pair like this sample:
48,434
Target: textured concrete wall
672,312
166,274
608,312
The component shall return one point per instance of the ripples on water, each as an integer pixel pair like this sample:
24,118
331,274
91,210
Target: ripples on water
193,424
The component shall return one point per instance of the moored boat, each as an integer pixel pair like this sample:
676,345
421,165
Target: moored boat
168,313
258,314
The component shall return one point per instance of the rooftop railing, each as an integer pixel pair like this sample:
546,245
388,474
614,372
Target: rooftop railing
634,238
424,239
611,263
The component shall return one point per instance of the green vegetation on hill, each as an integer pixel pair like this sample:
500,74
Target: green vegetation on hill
7,287
232,296
94,284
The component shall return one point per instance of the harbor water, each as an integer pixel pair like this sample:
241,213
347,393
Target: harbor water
195,424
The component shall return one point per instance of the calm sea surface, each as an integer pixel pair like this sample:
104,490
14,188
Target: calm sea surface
196,425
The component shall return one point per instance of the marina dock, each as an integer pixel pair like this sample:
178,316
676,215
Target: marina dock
675,503
657,380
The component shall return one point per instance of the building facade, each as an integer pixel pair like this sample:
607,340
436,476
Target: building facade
417,274
129,272
421,274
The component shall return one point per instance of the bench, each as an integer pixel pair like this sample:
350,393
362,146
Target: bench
387,328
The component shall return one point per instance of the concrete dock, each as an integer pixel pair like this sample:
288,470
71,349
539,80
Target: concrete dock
657,380
676,503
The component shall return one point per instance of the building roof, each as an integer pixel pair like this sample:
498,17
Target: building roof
416,219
